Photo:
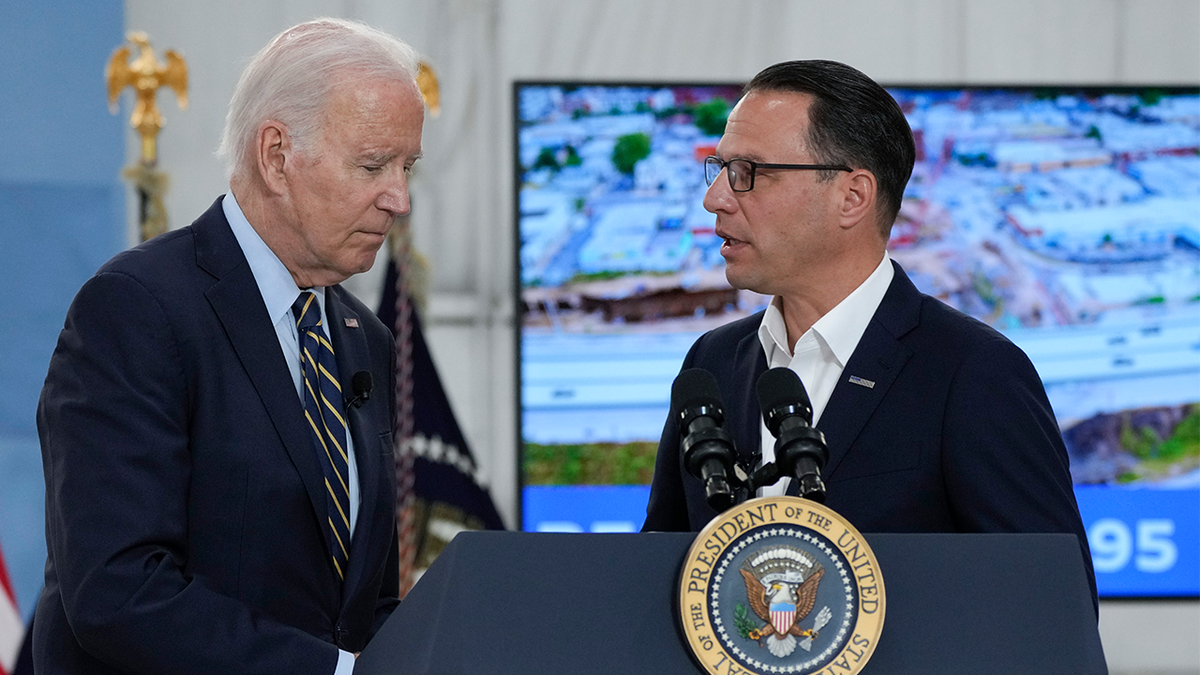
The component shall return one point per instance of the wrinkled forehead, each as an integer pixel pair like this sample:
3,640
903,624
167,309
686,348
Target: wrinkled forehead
372,106
354,92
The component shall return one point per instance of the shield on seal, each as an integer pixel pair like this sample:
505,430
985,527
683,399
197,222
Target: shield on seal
782,616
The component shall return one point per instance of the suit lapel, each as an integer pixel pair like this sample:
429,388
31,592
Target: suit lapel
239,307
350,346
872,369
749,364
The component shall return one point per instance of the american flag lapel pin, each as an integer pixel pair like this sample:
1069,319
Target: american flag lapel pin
351,323
862,382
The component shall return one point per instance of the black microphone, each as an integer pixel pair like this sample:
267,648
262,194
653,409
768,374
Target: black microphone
708,451
800,449
361,383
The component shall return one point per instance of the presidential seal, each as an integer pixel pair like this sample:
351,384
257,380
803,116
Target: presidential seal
781,585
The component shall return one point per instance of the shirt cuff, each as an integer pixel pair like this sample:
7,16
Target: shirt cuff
345,664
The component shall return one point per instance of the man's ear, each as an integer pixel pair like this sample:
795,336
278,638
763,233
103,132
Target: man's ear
859,198
273,152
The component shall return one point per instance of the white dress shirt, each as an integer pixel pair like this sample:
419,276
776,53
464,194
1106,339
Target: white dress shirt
820,355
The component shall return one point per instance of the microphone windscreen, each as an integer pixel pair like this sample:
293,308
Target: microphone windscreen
694,387
361,383
780,387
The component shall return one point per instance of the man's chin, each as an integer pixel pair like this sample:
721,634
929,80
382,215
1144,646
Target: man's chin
362,264
366,261
738,281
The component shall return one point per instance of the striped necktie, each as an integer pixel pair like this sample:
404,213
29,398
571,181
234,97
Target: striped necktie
322,409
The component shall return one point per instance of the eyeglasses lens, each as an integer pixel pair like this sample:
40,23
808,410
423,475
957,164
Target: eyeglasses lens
712,169
739,171
741,175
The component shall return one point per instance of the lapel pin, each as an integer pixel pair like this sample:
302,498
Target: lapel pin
351,323
854,379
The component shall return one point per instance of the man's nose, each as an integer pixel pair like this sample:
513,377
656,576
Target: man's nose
719,196
395,198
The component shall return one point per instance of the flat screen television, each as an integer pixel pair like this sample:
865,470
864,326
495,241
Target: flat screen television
1067,217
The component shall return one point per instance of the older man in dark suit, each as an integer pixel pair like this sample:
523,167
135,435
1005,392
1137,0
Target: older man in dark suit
934,421
217,420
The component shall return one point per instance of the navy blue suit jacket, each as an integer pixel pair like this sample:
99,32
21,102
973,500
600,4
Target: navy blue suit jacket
955,435
184,499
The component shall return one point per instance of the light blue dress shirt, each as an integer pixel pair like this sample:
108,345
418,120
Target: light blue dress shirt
279,291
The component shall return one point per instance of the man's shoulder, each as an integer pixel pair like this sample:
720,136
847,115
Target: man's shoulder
151,257
949,323
722,350
908,314
946,335
168,255
728,335
162,269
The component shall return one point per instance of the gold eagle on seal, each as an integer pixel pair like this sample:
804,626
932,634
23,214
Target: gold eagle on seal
781,586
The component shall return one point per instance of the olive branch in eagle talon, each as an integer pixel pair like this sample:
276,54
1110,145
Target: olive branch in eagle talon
741,621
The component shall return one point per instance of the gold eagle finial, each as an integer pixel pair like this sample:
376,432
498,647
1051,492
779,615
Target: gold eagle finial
146,75
427,82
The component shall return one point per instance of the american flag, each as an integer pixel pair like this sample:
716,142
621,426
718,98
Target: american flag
12,628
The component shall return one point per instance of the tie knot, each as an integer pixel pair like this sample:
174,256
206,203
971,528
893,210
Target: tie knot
307,311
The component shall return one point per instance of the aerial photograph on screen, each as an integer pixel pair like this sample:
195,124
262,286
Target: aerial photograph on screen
1070,220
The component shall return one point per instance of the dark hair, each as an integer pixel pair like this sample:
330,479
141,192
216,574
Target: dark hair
852,121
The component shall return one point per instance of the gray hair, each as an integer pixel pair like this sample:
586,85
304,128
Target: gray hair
290,81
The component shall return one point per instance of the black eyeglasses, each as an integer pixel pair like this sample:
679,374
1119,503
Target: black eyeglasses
741,171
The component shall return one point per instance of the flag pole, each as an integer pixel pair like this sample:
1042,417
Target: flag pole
146,75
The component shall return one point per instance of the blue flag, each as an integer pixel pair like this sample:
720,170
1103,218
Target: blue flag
448,497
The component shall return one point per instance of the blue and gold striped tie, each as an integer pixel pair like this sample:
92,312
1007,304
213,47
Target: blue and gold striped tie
322,408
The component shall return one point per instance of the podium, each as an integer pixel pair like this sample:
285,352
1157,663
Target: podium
511,602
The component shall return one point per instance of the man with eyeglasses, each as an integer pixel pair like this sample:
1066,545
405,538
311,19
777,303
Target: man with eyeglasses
935,422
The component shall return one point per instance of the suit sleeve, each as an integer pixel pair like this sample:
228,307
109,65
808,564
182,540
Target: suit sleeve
389,591
667,509
114,422
1003,456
